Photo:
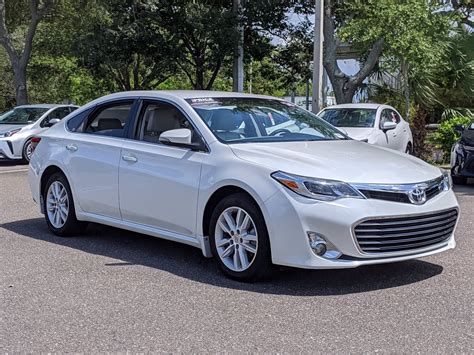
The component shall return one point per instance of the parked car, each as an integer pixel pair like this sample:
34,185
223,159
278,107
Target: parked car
462,155
201,168
373,123
19,125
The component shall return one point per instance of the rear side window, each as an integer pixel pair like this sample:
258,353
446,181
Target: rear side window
110,120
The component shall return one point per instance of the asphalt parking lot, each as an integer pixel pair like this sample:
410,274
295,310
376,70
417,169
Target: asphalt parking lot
111,290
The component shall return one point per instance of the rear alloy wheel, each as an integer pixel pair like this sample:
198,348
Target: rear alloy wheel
59,207
239,239
27,151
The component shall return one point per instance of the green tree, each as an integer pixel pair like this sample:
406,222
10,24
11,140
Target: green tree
132,48
19,49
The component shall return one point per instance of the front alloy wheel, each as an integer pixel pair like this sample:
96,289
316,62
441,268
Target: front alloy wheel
239,238
236,239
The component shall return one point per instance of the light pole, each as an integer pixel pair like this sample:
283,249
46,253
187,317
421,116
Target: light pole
318,55
238,68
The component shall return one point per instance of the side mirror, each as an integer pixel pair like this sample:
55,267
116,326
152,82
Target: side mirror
459,128
52,122
387,126
181,137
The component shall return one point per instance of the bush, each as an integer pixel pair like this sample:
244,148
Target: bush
446,135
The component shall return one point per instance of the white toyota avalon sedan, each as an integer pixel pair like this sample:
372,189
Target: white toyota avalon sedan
210,170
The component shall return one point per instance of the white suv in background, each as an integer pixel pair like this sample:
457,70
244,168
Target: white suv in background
373,123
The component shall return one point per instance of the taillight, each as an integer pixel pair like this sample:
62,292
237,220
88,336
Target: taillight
34,143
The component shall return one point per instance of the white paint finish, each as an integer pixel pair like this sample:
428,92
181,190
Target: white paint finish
160,188
93,167
163,190
349,161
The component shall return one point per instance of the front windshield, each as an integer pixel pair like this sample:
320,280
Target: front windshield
349,117
22,115
240,120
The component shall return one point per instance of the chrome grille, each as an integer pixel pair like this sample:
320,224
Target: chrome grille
399,193
395,234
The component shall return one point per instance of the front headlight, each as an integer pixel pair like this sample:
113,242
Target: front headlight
447,183
318,189
10,133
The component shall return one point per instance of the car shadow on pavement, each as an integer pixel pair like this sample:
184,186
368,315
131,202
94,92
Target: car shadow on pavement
12,163
465,190
136,249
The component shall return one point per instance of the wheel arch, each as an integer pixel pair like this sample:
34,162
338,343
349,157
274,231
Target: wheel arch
47,173
214,199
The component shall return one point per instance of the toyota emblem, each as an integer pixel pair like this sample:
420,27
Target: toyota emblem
417,196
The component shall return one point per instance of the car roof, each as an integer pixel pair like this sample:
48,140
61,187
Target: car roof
48,106
360,105
183,94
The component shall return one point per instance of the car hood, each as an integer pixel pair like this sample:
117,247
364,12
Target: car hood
358,133
467,137
345,160
8,127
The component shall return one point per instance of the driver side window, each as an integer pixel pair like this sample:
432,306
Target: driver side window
58,113
389,116
158,117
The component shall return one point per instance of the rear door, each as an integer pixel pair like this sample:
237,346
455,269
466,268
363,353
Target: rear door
94,154
159,184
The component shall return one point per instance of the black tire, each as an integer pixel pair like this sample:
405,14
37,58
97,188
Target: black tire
459,180
261,266
71,226
26,159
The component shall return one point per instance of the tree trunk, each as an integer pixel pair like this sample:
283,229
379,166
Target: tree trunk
19,60
344,90
345,86
406,88
19,77
419,131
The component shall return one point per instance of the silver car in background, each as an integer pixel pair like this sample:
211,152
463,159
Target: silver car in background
20,124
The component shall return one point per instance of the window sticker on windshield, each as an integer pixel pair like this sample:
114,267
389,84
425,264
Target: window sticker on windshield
202,101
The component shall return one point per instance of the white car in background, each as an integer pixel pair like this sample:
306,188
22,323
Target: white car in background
20,124
373,123
202,168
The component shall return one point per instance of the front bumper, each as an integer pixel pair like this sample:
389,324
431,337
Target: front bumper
6,150
289,217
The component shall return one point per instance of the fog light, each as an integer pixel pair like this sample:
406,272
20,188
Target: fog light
317,243
322,247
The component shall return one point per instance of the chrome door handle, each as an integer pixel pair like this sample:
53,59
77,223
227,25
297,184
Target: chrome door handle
71,147
129,158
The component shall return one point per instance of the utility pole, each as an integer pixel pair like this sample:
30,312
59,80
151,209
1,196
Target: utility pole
238,69
318,55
